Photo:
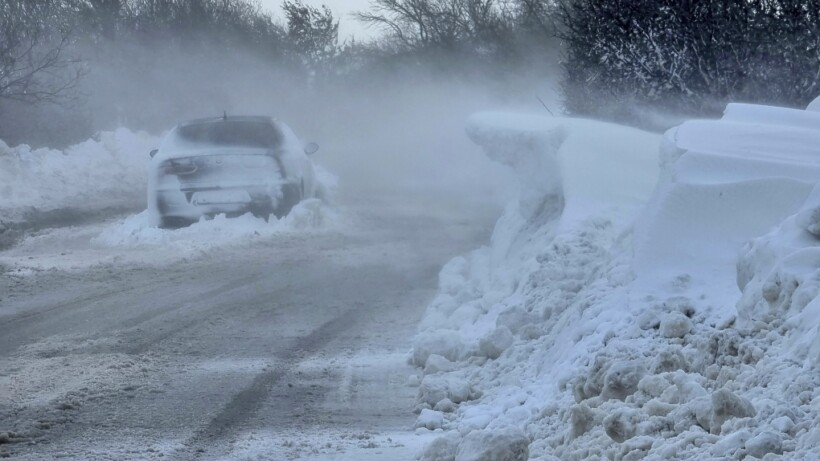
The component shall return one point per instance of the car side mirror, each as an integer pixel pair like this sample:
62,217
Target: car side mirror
153,152
311,148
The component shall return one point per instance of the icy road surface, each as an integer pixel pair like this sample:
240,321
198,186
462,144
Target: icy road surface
287,346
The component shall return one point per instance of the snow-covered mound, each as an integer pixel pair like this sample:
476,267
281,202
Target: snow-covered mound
107,171
606,318
134,241
137,231
779,274
814,106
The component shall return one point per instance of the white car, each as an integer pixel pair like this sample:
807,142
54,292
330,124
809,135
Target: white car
228,165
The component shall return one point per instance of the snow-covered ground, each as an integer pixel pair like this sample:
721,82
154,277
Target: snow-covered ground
633,305
645,297
119,340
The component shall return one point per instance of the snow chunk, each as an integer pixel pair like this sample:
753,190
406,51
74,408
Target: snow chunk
783,424
763,444
430,419
516,319
729,445
437,364
492,345
444,343
445,406
582,419
670,360
727,405
675,325
622,380
443,448
505,444
435,388
621,425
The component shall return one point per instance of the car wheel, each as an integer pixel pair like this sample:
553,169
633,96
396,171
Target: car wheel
260,213
174,222
291,195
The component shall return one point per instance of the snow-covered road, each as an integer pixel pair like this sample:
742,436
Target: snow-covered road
644,296
292,345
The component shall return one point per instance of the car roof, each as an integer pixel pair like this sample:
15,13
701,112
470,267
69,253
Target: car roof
229,118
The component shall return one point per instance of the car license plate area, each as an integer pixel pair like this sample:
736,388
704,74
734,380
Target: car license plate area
221,197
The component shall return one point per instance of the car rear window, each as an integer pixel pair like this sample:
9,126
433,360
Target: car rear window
230,133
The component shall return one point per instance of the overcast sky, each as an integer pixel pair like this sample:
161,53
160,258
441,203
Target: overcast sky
341,10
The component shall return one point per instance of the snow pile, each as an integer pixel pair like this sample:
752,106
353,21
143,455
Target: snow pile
137,231
779,274
606,318
814,106
107,171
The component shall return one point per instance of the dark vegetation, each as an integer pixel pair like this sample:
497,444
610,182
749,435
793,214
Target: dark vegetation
690,56
70,67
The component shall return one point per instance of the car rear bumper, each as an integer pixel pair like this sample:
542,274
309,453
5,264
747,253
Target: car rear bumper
194,203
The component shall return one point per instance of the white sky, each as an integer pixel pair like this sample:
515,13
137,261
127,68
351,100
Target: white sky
341,10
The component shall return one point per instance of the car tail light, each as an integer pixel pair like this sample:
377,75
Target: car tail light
178,167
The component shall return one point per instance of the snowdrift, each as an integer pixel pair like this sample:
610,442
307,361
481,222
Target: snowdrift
646,297
139,232
107,171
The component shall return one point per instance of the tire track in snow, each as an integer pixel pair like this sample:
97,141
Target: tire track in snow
244,404
147,340
12,333
15,329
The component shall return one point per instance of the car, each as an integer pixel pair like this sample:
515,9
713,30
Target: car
228,165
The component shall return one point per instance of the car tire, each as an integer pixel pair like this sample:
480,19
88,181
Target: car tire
174,222
291,195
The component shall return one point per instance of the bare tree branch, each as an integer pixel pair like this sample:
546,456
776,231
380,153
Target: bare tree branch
34,64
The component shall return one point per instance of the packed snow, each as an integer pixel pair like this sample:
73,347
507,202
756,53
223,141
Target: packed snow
646,296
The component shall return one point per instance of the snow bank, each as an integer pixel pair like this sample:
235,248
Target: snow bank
814,106
137,231
606,318
134,241
571,199
779,274
107,171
